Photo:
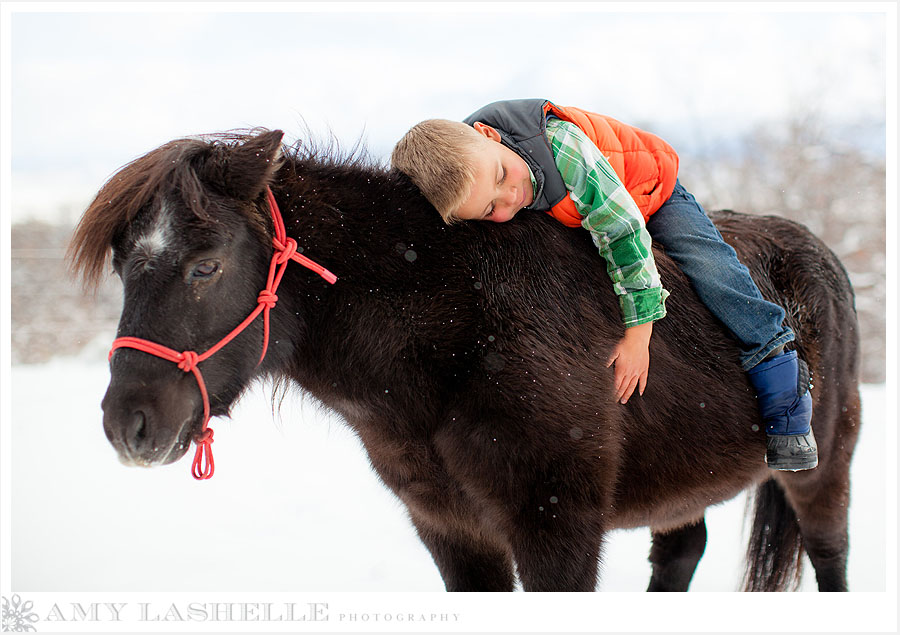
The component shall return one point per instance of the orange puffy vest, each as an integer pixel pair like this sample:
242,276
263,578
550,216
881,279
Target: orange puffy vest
646,165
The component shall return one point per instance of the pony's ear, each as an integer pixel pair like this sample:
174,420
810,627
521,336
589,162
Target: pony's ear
246,169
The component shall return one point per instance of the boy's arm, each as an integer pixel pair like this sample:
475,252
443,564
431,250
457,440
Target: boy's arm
614,220
618,230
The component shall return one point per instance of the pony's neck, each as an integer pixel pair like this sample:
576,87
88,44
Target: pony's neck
311,206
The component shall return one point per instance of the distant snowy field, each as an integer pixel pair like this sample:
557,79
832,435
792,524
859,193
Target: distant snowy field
293,506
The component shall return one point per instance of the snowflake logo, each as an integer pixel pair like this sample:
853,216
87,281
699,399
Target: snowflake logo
17,615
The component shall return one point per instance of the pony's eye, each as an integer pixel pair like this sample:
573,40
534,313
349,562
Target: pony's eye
204,269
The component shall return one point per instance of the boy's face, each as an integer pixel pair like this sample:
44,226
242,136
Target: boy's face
502,182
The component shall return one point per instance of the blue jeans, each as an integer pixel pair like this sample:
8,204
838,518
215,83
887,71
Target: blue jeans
722,282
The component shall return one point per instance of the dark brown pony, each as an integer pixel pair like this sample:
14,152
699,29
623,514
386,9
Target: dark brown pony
470,360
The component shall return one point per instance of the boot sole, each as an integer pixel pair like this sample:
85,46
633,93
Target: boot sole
792,464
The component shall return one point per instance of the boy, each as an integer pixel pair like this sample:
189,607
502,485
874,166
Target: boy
620,183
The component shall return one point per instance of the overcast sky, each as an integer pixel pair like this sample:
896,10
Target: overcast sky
91,91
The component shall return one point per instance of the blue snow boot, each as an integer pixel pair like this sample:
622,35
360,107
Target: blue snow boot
782,388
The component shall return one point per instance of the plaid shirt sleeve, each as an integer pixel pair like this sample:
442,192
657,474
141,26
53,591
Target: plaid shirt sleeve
614,220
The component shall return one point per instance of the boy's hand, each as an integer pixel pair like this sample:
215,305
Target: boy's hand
632,359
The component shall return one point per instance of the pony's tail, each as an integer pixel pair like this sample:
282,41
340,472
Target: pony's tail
774,555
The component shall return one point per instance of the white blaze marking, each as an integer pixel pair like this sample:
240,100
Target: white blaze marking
159,236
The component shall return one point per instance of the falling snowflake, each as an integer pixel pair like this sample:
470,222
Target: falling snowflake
17,615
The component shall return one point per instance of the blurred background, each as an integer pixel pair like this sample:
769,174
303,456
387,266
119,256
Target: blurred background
772,110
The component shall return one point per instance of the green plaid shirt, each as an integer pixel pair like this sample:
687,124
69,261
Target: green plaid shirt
614,220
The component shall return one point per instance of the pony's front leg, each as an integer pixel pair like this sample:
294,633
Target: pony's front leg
465,562
446,519
674,556
556,552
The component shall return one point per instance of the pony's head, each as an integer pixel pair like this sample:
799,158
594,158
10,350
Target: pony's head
187,231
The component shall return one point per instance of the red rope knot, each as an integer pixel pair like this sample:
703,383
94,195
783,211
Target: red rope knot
286,250
203,466
267,298
188,361
204,436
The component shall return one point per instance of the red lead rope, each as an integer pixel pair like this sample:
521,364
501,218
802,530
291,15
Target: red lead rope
285,250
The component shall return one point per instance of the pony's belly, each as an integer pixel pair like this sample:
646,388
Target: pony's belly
678,507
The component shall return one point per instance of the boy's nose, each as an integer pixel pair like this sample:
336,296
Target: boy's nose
511,199
506,206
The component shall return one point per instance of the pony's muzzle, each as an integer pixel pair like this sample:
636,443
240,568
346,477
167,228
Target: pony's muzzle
148,426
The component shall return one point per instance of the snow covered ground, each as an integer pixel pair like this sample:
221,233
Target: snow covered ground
293,506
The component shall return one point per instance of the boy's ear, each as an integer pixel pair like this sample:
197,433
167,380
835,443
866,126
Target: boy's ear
487,131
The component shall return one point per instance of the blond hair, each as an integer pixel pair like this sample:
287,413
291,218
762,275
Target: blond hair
438,155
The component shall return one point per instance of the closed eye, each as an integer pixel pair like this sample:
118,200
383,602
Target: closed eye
203,270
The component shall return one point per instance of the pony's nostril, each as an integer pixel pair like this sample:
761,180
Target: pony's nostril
140,426
137,431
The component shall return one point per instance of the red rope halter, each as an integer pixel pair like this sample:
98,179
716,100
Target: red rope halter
204,466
